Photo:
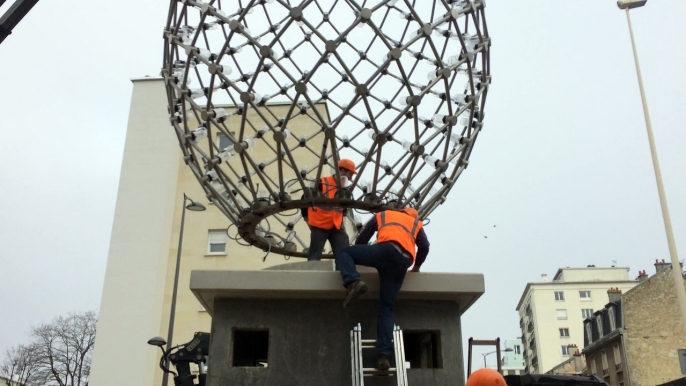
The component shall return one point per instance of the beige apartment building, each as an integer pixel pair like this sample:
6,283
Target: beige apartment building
551,313
139,279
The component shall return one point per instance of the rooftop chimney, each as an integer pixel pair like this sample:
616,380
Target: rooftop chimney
544,278
642,276
661,265
578,361
614,294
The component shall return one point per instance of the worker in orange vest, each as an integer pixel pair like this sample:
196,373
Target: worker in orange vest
398,233
326,223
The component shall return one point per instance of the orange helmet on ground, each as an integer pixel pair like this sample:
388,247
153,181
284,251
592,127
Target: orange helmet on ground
412,212
347,164
486,377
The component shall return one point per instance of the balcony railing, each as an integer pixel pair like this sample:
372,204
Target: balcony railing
618,367
530,327
606,372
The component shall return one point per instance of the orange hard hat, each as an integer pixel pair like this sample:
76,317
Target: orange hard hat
486,377
347,164
412,212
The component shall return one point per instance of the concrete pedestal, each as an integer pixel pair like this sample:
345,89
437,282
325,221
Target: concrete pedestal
290,318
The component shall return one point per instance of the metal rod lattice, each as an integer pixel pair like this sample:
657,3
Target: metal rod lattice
266,96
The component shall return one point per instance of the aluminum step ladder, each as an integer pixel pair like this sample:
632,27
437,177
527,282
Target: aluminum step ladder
357,344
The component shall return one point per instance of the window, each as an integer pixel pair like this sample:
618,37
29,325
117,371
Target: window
587,313
603,357
223,142
565,350
559,295
589,333
250,348
599,324
216,243
564,332
617,355
517,349
611,315
585,294
682,360
423,349
562,314
593,370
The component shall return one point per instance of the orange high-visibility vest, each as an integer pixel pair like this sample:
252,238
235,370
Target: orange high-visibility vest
400,228
326,218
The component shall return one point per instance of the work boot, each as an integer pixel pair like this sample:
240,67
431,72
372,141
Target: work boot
355,290
383,363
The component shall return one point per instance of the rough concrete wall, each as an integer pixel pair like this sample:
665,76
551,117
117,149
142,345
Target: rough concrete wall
654,331
309,341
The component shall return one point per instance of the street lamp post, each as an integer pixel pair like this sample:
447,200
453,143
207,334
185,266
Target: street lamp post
676,266
492,352
196,207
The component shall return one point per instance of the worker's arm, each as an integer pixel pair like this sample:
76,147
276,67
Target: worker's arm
303,211
422,250
367,232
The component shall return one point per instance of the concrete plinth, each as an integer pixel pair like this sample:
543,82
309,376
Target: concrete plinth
295,312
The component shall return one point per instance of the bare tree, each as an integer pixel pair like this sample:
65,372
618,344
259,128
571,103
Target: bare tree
65,347
21,366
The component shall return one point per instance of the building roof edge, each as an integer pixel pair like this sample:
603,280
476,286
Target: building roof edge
146,78
521,299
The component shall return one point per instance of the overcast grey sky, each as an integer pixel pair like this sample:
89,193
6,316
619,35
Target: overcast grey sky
562,168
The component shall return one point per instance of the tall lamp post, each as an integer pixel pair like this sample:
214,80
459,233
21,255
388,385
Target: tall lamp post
676,267
196,207
492,352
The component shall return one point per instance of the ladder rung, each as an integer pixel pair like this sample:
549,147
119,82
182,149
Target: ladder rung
368,346
368,341
373,371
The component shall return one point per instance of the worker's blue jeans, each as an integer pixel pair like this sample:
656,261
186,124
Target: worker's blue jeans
392,267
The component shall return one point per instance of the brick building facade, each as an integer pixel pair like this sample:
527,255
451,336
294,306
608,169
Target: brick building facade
634,340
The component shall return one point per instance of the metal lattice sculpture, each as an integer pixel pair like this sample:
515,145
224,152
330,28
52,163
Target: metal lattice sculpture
266,96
